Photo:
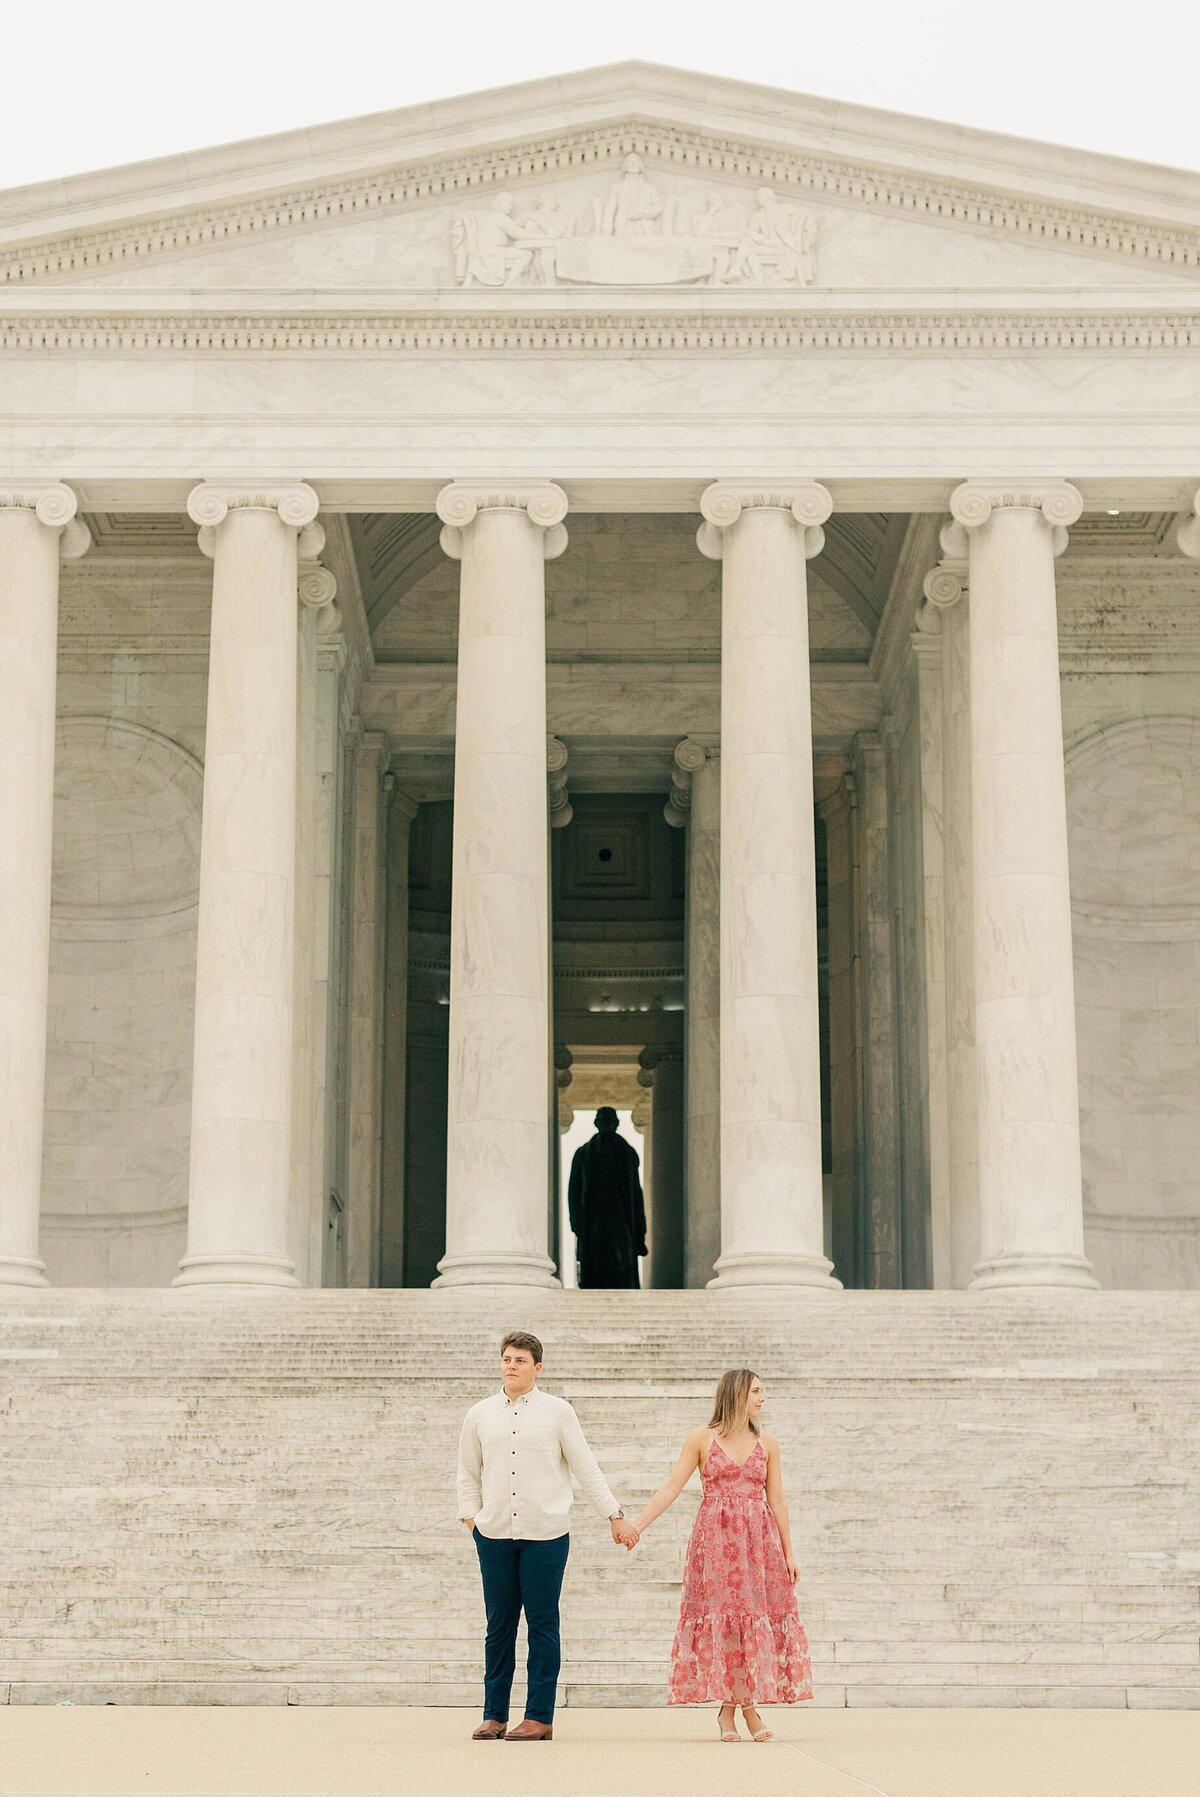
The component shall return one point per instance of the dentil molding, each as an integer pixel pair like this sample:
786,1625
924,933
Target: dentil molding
898,332
852,183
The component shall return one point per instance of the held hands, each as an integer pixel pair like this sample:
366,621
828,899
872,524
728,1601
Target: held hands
624,1533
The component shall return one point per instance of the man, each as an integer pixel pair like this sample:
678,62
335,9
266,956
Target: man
516,1455
488,251
633,208
606,1207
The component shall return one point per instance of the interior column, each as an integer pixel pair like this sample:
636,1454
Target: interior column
401,812
946,589
772,1228
37,526
699,765
497,1172
662,1075
242,1064
1030,1188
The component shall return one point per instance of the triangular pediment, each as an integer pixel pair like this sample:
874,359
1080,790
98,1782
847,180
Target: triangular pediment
619,180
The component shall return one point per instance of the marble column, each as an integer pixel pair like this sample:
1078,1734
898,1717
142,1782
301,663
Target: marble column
700,762
926,643
1030,1189
772,1224
497,1172
364,1000
838,814
242,1063
882,1261
326,1163
401,811
946,589
37,526
317,589
662,1074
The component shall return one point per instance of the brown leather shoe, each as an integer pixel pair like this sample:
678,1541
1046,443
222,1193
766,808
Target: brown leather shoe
490,1731
531,1731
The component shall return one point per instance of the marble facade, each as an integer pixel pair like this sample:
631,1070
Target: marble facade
633,579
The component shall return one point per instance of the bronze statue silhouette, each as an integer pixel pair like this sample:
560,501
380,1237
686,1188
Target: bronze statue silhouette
606,1207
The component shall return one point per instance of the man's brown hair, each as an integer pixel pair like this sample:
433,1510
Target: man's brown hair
526,1343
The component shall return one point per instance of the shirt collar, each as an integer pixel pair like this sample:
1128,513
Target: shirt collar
512,1403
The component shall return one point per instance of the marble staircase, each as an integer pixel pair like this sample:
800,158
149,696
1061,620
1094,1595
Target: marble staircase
213,1498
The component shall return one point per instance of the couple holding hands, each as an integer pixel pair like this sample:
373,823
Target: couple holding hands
740,1641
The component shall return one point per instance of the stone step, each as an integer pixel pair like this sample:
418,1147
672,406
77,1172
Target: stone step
206,1497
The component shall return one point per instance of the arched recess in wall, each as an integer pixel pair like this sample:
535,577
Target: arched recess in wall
127,808
1133,812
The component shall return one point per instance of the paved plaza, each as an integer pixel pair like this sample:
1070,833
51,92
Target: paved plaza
313,1752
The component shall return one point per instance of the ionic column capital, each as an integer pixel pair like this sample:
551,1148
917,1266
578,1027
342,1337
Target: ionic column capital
945,585
53,505
557,794
317,588
723,503
210,504
690,756
1188,535
1060,504
545,504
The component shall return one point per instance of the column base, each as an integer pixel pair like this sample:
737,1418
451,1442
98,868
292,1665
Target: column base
22,1269
1035,1272
238,1272
810,1270
497,1269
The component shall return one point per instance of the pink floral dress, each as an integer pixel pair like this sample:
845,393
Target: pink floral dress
740,1638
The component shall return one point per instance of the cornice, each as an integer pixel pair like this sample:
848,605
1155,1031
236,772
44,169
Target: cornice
892,333
846,181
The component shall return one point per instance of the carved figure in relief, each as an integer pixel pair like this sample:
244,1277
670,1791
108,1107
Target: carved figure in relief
542,229
488,246
636,237
634,207
720,224
779,239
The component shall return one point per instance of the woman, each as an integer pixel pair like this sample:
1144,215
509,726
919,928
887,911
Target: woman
740,1641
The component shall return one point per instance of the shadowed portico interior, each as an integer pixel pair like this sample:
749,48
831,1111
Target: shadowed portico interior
633,644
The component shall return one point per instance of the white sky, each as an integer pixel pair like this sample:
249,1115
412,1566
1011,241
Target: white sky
89,85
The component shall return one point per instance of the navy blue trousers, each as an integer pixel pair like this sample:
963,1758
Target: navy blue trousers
521,1575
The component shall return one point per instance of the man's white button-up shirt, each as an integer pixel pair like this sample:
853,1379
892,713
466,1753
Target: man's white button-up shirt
515,1460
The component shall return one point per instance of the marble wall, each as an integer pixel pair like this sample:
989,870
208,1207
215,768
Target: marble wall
128,785
1133,796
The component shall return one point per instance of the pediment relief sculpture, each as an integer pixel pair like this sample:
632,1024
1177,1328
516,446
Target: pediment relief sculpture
639,235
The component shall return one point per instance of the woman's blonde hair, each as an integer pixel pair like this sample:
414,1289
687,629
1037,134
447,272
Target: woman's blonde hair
731,1406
